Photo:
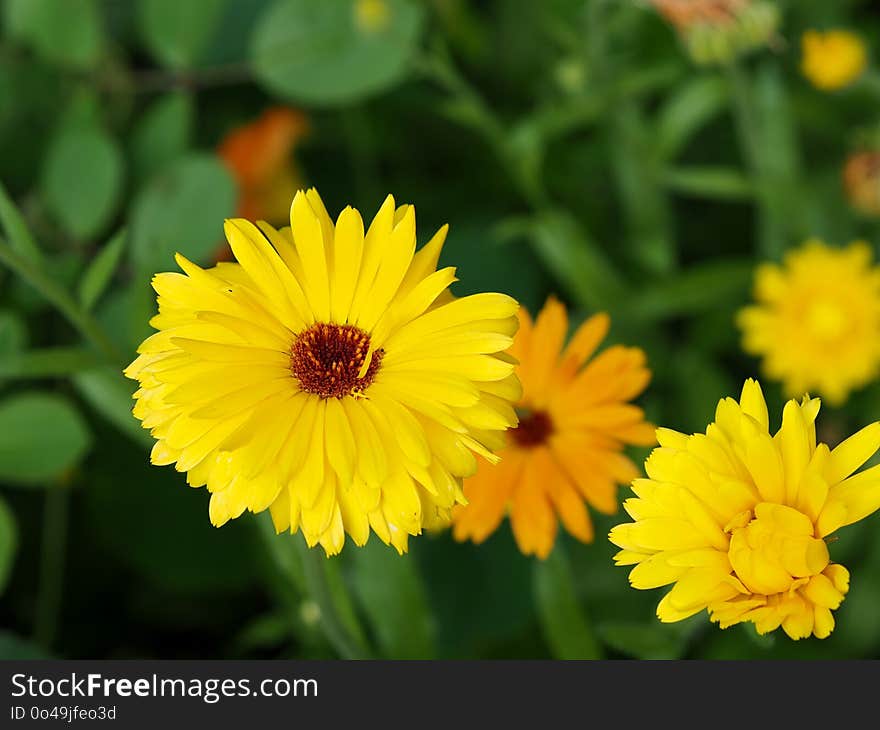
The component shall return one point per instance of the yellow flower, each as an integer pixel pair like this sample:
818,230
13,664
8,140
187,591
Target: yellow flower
372,16
817,320
737,520
834,59
328,376
574,421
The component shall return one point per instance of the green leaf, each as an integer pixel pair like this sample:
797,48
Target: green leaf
265,632
698,383
20,238
329,52
66,32
642,641
13,333
342,600
720,183
390,589
162,134
109,393
100,271
578,264
157,526
49,362
41,436
181,210
686,111
15,647
779,163
177,32
699,288
486,264
645,204
82,179
8,543
566,629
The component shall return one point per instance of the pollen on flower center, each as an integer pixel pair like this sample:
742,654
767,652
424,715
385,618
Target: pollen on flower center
533,430
328,360
776,549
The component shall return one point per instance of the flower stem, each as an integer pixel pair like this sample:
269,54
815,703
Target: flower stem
771,236
311,570
315,570
61,299
51,564
744,115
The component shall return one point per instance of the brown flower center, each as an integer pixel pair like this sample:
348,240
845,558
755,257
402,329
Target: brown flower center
327,360
533,430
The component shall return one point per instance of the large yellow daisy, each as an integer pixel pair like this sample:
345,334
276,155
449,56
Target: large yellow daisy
567,450
328,376
816,323
737,519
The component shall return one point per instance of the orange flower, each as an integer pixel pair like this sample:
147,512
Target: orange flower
259,156
861,179
567,448
686,13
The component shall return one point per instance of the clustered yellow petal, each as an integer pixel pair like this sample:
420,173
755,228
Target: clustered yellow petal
736,519
834,59
816,323
328,375
575,419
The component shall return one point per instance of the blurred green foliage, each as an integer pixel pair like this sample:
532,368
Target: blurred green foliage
573,147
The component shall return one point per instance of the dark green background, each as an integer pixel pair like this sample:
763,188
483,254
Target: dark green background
573,148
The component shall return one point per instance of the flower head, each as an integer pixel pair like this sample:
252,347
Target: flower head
834,59
258,155
861,180
372,16
737,520
717,31
574,421
328,375
817,320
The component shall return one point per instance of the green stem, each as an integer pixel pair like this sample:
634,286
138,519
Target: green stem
314,568
770,238
438,67
306,572
49,362
744,116
51,565
61,299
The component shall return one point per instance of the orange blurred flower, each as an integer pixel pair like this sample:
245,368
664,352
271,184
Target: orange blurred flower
861,179
574,420
259,156
717,31
686,13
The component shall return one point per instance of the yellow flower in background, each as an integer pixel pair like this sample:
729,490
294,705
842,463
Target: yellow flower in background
567,449
258,154
833,59
372,16
328,376
737,520
816,323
